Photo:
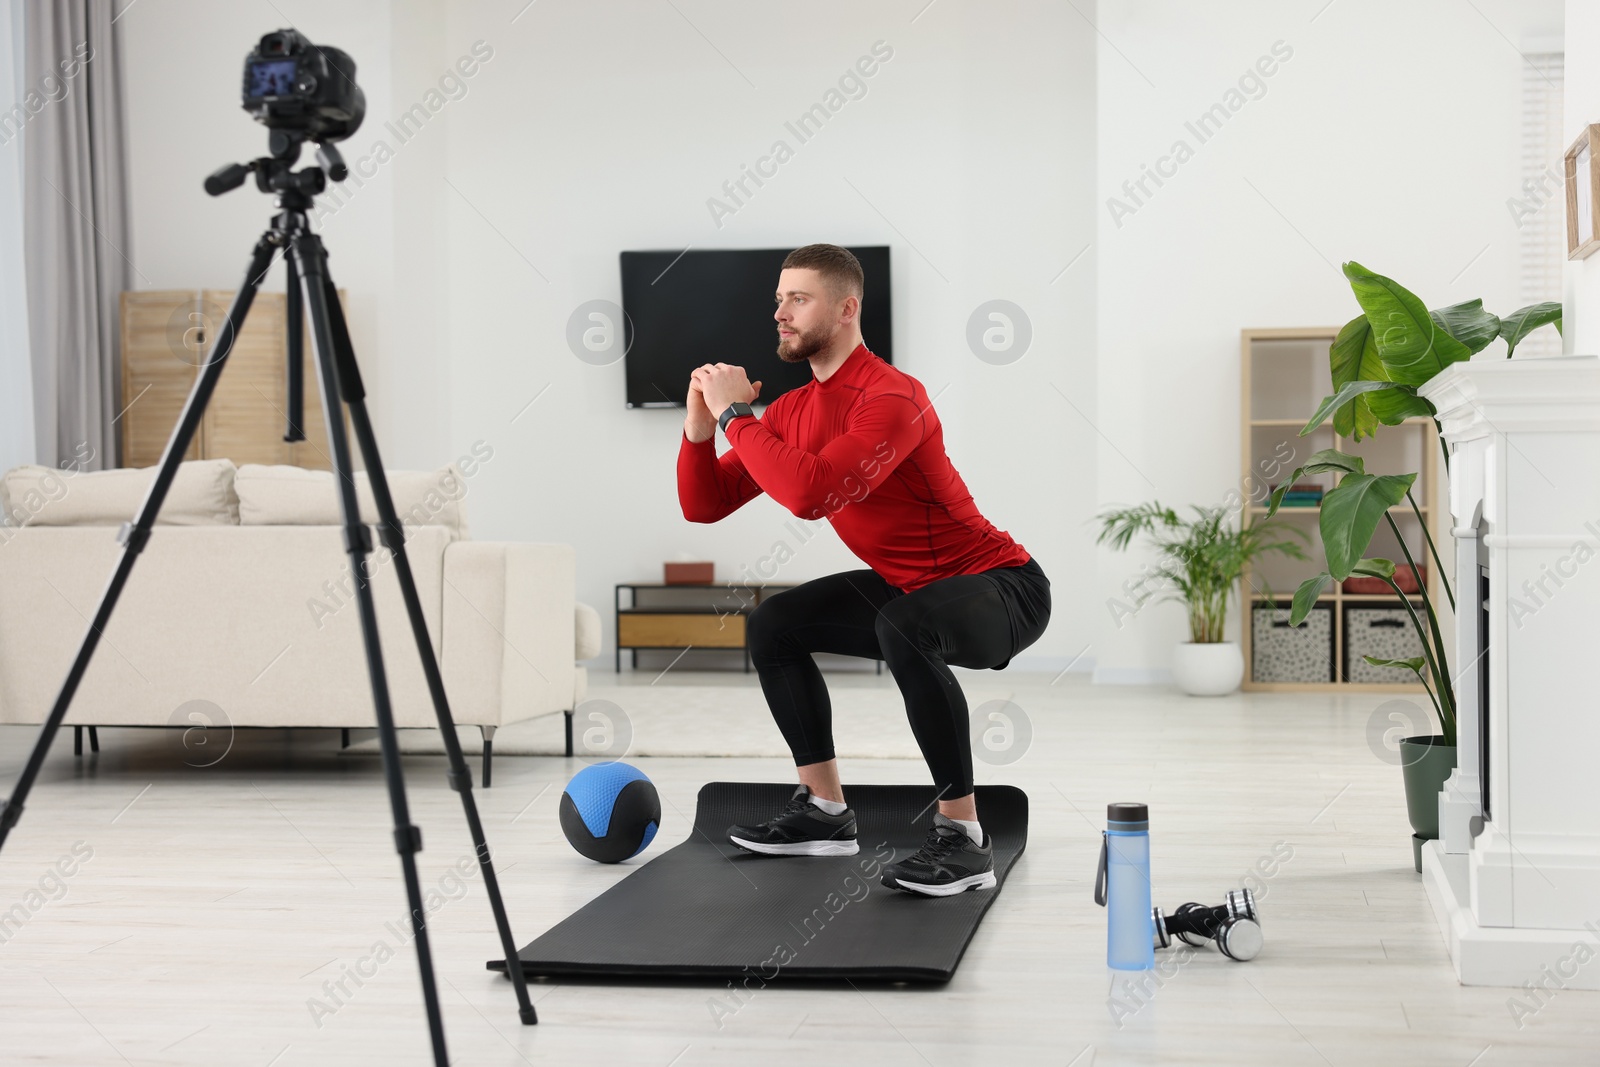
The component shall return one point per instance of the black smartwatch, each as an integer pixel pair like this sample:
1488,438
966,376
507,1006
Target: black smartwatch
734,410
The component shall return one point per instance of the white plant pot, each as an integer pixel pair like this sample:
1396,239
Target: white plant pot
1209,670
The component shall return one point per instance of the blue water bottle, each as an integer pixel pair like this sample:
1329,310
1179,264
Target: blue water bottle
1122,886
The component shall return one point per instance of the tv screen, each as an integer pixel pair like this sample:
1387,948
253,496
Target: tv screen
715,306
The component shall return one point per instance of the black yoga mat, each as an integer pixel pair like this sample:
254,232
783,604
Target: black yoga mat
705,908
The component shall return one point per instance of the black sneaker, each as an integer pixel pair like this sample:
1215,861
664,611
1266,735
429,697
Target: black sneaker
801,829
947,863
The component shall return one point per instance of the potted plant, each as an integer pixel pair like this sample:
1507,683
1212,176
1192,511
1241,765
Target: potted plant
1200,564
1377,361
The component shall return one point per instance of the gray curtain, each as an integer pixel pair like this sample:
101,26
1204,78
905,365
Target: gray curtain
76,233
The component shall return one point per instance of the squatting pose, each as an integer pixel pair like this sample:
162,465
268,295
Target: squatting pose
861,446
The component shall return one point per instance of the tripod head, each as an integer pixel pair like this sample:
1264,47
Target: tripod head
301,92
275,172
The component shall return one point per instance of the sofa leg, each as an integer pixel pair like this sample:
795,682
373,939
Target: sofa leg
488,752
94,739
77,740
344,737
568,714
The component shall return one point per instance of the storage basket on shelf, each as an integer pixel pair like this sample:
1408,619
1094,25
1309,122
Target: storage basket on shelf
1283,653
1382,633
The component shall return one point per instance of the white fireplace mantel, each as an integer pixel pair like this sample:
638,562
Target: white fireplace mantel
1515,888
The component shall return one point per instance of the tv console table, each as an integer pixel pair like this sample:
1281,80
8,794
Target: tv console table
714,617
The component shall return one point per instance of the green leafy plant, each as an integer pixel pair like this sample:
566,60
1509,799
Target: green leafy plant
1397,344
1377,361
1201,557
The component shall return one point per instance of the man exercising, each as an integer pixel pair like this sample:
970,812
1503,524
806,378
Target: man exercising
861,446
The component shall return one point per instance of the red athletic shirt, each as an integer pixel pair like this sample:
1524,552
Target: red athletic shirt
864,450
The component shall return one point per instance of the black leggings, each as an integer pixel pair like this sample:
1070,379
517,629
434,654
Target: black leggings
971,620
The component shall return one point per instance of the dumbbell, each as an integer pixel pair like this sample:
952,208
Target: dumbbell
1238,904
1234,925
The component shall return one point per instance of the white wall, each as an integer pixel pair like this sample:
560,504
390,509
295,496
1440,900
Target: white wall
1581,279
1389,137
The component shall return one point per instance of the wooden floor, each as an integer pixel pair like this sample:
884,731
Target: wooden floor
218,906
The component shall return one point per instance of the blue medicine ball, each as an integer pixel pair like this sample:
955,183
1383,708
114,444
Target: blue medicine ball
610,812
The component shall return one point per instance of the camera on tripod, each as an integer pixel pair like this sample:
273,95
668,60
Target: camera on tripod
292,84
301,92
304,92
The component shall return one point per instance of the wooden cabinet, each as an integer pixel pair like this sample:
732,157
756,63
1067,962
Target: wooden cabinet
166,335
684,616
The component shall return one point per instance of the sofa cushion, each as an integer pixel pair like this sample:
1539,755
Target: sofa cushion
294,496
201,494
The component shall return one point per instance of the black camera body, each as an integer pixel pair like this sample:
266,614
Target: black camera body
292,84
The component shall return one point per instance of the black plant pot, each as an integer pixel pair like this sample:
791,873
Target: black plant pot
1425,763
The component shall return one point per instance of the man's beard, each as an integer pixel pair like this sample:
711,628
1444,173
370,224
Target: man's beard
801,346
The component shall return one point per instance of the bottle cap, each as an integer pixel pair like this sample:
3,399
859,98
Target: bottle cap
1127,816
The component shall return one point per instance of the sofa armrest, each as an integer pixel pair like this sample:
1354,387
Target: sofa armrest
588,623
509,630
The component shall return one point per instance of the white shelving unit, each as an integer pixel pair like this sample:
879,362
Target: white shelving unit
1284,376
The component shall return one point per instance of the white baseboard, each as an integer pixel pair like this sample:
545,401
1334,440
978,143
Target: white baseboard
1502,955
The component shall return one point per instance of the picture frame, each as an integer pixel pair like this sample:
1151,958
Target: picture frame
1582,171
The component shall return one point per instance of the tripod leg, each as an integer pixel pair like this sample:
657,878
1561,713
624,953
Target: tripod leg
488,752
133,535
294,372
308,254
392,534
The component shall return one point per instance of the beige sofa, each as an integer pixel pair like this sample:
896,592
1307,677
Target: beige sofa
244,599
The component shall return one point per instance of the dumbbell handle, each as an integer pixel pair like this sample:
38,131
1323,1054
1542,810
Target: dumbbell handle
1197,921
1240,904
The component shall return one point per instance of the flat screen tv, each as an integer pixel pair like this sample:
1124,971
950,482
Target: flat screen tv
715,306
